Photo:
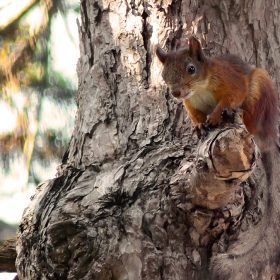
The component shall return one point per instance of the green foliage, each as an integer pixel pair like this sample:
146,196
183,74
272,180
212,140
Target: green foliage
33,91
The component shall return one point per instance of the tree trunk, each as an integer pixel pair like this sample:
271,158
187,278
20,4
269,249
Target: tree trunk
131,200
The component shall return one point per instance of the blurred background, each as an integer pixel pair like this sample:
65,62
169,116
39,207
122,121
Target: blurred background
38,84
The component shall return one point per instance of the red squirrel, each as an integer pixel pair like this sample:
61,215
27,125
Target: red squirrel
207,86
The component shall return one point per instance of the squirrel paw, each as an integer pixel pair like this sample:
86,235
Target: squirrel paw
200,130
228,115
213,120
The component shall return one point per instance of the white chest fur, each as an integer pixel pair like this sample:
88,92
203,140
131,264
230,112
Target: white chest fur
203,100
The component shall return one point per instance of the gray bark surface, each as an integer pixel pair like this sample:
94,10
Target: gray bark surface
128,202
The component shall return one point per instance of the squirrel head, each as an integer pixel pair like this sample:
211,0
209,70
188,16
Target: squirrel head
184,70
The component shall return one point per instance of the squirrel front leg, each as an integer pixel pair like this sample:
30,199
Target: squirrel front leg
215,118
198,118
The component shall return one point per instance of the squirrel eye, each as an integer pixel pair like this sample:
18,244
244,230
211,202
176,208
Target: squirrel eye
191,69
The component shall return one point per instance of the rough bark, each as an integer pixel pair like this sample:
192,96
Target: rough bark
127,203
8,256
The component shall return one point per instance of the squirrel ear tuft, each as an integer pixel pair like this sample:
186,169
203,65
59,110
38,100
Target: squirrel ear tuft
161,54
195,49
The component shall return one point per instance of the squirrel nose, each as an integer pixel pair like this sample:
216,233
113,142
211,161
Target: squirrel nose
176,93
